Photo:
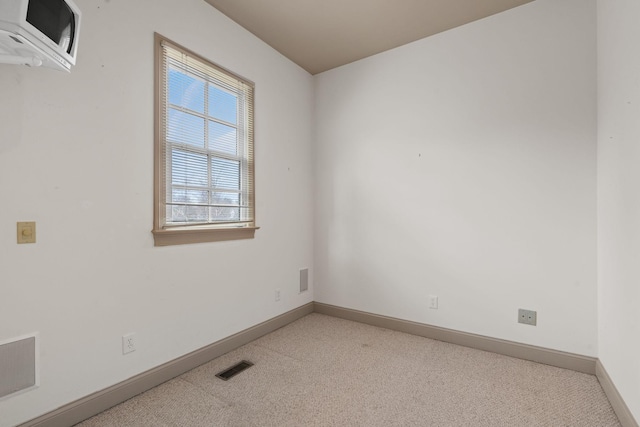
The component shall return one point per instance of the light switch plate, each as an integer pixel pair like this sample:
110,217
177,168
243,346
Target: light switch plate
27,232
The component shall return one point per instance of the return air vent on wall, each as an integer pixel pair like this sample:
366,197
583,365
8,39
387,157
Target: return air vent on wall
234,370
17,365
304,280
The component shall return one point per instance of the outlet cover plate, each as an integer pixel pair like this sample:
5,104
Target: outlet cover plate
433,302
128,343
527,317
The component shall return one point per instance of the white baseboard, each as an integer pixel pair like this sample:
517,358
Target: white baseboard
619,406
95,403
546,356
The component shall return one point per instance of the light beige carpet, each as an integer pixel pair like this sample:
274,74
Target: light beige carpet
324,371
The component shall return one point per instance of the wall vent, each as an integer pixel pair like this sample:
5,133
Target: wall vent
304,280
17,365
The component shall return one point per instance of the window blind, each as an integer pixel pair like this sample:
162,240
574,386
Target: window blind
206,133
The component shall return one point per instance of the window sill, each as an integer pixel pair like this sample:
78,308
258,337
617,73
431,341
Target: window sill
188,235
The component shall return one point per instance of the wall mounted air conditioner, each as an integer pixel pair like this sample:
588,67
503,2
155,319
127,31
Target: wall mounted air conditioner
39,33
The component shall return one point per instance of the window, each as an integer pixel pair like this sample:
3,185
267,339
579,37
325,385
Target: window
204,186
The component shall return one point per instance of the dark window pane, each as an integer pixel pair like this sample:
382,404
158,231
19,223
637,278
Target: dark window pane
54,19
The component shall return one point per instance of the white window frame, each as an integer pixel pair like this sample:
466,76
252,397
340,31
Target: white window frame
168,232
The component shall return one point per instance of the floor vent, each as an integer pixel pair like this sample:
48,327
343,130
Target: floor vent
234,370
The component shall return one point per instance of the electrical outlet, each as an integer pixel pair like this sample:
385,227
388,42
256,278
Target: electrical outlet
277,294
528,317
128,343
433,302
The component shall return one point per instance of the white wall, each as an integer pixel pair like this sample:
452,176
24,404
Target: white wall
619,195
464,166
76,155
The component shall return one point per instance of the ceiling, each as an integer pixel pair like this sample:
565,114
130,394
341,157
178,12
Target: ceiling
319,35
